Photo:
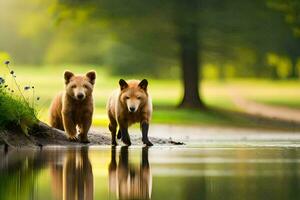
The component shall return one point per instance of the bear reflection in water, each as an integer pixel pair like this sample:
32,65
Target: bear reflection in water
73,177
127,181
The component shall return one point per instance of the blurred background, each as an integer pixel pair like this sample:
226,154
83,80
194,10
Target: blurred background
208,62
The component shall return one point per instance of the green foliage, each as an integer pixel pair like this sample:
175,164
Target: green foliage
15,109
19,180
141,36
290,9
147,34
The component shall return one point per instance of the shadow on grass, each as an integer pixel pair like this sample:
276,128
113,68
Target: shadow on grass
213,116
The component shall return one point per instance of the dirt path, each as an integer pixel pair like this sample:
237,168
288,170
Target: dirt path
276,112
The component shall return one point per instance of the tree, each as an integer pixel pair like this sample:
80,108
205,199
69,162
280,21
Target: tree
171,27
185,33
189,49
291,12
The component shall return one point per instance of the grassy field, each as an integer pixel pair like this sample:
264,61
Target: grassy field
277,93
166,95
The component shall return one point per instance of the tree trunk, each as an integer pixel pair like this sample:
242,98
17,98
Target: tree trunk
190,72
293,52
294,72
189,58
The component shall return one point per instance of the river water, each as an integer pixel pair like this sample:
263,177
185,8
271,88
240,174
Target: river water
193,171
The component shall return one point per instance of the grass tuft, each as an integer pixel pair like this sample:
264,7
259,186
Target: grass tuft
15,109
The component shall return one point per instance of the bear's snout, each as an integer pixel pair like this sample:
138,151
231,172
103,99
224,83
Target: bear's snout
132,109
80,96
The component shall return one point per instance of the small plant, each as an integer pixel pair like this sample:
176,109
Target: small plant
15,108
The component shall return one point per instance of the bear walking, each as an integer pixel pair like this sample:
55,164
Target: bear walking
128,105
74,107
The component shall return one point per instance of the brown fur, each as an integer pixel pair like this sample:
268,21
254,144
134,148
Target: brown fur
132,94
73,108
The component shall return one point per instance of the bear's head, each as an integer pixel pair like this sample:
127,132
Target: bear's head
133,94
79,86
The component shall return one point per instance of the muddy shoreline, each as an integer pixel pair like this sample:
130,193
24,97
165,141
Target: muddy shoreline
43,135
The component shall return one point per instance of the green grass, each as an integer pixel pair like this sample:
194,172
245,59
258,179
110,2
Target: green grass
275,93
15,109
166,94
290,103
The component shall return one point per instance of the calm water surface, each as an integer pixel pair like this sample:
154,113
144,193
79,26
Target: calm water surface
156,173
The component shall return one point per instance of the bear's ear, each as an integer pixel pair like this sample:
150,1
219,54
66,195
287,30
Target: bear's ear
92,76
123,84
68,75
143,84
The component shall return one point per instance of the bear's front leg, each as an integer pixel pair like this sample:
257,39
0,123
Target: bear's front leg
113,129
84,127
123,130
69,126
124,135
145,128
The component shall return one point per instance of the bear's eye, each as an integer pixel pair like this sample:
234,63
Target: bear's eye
73,86
85,86
127,97
138,97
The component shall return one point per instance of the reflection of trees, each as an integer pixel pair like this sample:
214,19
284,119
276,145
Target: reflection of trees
127,181
293,183
18,173
259,174
74,178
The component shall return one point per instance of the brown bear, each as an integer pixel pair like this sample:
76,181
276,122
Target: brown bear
74,107
128,105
